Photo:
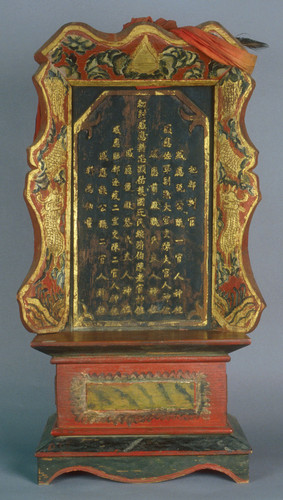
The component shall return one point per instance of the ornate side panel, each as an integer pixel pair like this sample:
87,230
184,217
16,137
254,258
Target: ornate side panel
236,303
44,297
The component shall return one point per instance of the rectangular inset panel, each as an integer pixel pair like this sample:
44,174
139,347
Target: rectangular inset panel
142,207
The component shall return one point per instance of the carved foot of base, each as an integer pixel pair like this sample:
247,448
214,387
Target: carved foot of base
142,459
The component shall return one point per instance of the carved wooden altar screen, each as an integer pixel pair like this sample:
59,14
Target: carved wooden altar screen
141,193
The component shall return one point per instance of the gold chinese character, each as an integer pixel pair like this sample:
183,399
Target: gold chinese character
141,104
100,310
180,188
128,170
166,168
102,224
140,202
178,293
102,172
142,125
115,221
115,259
167,194
101,277
141,147
154,221
140,267
102,241
193,170
166,272
153,309
126,309
192,221
141,179
127,290
88,206
115,208
101,292
155,205
178,276
167,129
179,222
140,255
102,190
127,258
127,222
89,170
140,222
167,143
116,143
141,191
116,169
154,153
153,240
154,172
179,171
167,181
140,245
166,220
116,129
153,291
166,296
165,285
167,155
141,169
142,136
140,233
130,153
167,207
102,207
115,247
114,273
115,182
115,234
140,278
116,155
89,189
102,258
88,222
178,310
166,233
139,310
141,159
179,205
128,239
153,259
192,185
179,257
115,195
192,203
180,155
166,245
154,187
166,260
114,298
129,205
103,156
127,186
140,289
141,113
114,311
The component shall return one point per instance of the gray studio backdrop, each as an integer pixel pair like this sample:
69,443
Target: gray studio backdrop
255,373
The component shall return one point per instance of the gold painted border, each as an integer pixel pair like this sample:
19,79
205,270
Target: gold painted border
76,319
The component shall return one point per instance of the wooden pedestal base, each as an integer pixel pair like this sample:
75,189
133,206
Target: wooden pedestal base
140,408
140,459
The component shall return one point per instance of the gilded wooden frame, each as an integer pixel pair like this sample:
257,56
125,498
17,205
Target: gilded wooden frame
68,60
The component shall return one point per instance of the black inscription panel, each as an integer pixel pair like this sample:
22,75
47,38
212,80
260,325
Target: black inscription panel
141,211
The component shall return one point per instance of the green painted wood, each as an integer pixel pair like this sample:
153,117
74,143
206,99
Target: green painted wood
226,453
